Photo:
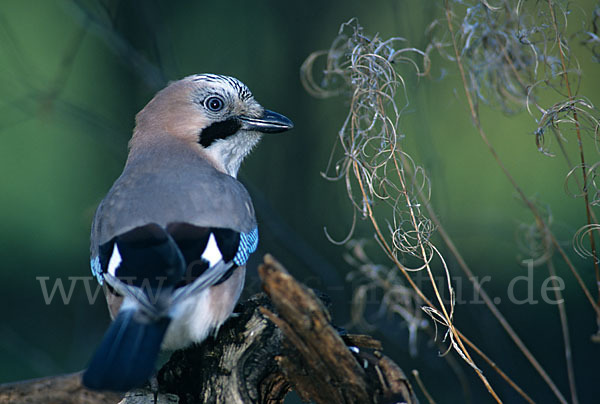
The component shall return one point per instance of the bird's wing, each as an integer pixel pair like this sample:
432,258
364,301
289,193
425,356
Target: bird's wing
211,255
144,264
162,206
158,267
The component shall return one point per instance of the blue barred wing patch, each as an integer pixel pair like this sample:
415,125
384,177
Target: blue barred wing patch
248,244
97,269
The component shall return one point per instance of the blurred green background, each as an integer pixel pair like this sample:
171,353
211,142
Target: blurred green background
73,74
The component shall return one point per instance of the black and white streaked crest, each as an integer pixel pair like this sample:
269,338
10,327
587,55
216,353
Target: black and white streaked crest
243,91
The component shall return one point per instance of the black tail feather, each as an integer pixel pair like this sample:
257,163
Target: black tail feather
127,354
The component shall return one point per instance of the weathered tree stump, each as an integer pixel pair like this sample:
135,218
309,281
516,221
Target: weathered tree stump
278,341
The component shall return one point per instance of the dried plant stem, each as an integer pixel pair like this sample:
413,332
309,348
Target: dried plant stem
389,251
493,365
430,399
404,270
565,75
421,243
488,302
433,283
526,200
551,269
564,256
558,139
454,365
570,165
564,325
541,223
492,307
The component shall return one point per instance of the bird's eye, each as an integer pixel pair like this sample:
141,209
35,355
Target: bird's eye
214,103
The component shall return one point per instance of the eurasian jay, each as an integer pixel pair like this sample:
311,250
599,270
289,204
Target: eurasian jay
170,240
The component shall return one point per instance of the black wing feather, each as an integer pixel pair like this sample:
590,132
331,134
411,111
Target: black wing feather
149,256
167,257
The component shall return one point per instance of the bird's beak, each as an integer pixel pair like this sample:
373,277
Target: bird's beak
269,122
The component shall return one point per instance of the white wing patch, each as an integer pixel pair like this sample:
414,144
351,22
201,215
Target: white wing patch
211,253
115,261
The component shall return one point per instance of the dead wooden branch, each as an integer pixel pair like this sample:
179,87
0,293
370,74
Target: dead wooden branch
314,357
63,389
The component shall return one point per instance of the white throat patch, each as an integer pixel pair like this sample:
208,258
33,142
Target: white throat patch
230,152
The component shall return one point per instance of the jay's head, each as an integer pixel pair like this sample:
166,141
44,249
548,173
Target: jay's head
216,114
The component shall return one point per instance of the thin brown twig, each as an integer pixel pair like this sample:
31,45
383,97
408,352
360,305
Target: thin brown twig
557,137
550,264
486,298
420,242
489,304
530,205
434,285
428,396
565,75
493,365
404,271
564,325
513,182
390,253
